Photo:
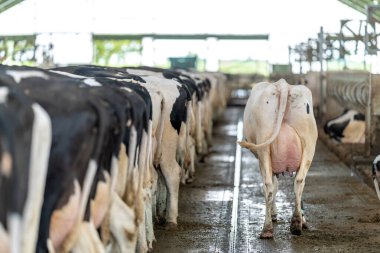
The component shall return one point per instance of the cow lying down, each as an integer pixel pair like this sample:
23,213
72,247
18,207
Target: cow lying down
280,129
375,171
349,127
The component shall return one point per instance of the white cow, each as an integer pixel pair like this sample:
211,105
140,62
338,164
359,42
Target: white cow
280,129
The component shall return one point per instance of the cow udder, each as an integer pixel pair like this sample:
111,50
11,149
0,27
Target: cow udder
286,150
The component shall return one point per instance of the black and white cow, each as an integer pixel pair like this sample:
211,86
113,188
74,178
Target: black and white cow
25,142
186,148
349,127
21,78
375,171
76,146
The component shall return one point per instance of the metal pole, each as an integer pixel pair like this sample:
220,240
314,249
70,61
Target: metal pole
321,74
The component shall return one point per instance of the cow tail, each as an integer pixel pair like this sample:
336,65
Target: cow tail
374,178
189,112
93,165
158,154
283,86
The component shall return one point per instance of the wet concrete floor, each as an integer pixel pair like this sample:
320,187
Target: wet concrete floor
342,211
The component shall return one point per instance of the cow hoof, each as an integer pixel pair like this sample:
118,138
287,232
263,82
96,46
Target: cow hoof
296,226
267,234
160,221
305,225
295,230
171,226
274,217
189,180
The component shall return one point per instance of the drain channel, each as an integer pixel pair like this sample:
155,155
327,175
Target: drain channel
235,200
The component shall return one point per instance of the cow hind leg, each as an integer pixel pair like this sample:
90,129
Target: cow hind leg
274,206
88,240
304,223
171,171
149,228
267,231
149,221
142,245
191,170
154,186
299,183
161,199
4,240
122,226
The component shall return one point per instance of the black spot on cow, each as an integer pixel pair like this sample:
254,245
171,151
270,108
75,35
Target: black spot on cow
179,111
307,108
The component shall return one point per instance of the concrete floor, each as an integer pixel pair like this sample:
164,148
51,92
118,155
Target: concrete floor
343,212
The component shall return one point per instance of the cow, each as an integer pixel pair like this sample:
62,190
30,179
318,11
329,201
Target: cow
25,144
175,117
375,171
18,77
349,127
280,130
186,148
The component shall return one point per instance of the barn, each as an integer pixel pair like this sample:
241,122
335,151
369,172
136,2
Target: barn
203,126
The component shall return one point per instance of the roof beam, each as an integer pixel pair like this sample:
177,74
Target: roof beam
181,36
17,37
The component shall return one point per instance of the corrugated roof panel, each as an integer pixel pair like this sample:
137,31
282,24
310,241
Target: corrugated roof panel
6,4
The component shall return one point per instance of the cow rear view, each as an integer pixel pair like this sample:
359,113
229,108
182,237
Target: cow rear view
280,129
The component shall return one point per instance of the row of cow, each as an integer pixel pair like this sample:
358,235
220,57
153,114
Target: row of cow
92,156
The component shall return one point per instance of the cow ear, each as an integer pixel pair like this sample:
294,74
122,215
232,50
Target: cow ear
345,110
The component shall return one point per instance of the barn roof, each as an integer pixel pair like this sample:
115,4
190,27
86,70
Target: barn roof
361,6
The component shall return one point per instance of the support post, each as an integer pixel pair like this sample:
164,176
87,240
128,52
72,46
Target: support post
322,106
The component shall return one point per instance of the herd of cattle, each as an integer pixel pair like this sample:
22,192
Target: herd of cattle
92,157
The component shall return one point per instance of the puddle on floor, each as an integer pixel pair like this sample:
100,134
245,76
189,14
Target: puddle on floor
212,195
